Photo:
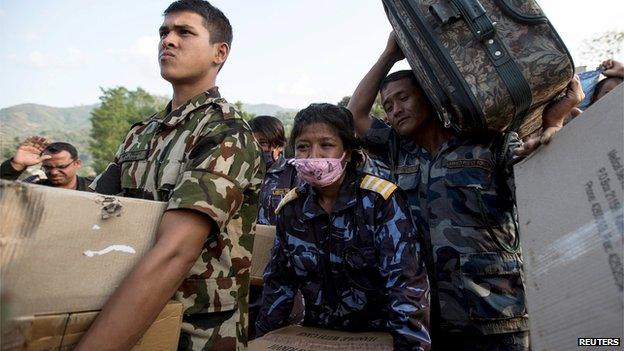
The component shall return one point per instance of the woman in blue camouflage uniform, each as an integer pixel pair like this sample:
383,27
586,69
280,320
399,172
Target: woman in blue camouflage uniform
280,177
346,239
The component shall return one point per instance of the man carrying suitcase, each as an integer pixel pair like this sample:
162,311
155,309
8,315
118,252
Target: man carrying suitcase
463,200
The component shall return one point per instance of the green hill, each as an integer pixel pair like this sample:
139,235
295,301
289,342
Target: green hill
69,124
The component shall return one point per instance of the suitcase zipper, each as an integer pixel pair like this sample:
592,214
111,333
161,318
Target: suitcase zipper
522,18
465,98
517,16
439,91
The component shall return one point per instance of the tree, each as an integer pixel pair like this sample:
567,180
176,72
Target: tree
119,109
9,150
601,47
377,110
247,116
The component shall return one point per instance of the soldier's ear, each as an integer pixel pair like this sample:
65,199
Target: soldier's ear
221,53
78,163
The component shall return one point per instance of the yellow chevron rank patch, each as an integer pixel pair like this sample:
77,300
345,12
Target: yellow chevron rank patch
381,186
291,195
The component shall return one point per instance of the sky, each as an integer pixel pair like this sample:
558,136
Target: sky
290,53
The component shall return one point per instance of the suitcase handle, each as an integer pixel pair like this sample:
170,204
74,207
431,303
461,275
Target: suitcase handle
476,18
472,11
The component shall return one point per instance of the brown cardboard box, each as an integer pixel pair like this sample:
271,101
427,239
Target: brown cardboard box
60,254
296,338
63,331
569,196
263,242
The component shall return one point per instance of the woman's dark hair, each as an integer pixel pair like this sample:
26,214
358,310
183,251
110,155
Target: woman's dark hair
338,118
272,129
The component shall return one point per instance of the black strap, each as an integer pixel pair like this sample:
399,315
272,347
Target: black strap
518,89
507,68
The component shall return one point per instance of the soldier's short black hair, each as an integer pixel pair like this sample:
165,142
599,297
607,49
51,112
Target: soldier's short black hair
214,20
339,118
60,146
272,129
398,75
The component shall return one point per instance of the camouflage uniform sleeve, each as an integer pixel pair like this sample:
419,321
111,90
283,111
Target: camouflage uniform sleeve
222,164
279,287
109,181
376,140
404,274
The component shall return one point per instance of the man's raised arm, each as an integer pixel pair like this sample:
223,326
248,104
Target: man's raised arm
364,95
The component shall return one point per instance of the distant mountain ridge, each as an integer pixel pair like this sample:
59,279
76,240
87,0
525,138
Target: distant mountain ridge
266,109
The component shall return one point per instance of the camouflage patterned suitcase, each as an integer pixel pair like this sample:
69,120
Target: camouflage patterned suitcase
484,64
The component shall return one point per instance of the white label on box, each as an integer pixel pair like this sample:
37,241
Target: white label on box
120,248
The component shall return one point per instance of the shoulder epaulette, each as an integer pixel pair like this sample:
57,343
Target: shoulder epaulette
291,195
381,186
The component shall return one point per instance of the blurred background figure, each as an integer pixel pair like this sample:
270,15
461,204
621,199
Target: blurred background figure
59,161
598,83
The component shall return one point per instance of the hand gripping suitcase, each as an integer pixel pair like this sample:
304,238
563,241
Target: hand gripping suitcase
484,64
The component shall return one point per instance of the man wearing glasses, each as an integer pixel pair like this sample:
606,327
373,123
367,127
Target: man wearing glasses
58,160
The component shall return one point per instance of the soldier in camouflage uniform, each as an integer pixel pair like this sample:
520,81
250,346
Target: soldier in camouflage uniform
461,196
356,260
200,157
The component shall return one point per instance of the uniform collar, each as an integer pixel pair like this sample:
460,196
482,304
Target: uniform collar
347,197
172,118
409,146
279,165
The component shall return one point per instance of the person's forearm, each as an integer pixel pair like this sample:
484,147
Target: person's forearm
9,171
137,302
364,95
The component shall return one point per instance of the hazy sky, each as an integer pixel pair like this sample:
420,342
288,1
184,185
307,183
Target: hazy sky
290,53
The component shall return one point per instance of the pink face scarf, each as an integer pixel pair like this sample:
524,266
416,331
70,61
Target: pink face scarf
319,172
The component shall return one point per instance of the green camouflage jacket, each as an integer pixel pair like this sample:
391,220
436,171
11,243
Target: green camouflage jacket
202,157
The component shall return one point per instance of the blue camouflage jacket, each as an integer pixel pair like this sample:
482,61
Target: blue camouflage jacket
463,206
278,181
358,268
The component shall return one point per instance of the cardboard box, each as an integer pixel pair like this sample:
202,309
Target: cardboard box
296,338
261,255
63,331
66,251
569,196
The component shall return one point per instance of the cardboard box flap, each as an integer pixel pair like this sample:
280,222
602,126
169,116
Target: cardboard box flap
59,252
261,255
299,338
63,331
570,196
